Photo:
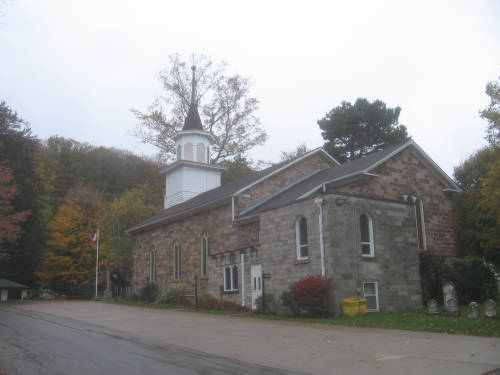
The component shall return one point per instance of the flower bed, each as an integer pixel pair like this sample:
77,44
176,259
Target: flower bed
222,306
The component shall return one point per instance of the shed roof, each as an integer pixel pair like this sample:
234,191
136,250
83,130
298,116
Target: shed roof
4,283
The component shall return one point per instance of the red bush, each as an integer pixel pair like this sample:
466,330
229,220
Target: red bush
309,295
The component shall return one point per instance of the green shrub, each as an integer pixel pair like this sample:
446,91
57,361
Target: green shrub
172,294
206,298
148,293
475,282
269,301
46,297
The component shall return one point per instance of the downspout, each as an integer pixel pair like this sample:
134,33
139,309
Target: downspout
319,203
242,257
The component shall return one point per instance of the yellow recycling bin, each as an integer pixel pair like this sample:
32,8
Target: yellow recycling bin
353,306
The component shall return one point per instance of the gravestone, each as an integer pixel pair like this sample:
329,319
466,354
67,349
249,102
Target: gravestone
432,307
450,299
473,310
490,309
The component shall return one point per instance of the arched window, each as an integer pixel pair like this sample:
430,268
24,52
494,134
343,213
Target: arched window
204,253
419,215
152,266
366,229
177,260
200,152
188,151
301,236
231,278
179,152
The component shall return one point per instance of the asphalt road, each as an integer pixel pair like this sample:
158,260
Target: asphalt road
99,338
33,342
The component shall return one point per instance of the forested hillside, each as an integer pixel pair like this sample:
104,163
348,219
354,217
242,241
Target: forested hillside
66,189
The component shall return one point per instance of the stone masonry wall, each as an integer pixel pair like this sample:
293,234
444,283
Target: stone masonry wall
405,174
395,266
284,178
224,237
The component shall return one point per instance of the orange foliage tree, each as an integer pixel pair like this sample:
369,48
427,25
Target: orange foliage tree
69,264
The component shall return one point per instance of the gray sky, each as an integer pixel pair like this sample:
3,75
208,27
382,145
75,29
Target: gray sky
75,68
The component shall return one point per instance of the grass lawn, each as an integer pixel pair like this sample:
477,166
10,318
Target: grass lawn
411,321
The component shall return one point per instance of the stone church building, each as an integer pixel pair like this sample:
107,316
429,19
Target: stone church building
361,224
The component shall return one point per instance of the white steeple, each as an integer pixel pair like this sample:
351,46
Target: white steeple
192,173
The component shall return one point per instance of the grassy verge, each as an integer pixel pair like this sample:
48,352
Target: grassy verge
410,321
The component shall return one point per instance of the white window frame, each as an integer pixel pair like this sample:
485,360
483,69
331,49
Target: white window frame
204,254
152,266
371,295
200,152
298,239
419,205
371,241
177,260
233,281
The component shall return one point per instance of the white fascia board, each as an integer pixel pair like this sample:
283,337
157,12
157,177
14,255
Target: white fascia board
197,132
179,163
305,195
285,166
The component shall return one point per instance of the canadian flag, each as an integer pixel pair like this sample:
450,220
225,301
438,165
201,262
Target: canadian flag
96,235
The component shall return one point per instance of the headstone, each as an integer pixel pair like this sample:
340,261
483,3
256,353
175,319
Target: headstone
473,310
450,299
432,307
490,309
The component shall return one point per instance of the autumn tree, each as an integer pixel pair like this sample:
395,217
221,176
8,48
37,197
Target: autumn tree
351,131
492,113
489,204
472,222
19,150
69,263
130,208
226,108
10,229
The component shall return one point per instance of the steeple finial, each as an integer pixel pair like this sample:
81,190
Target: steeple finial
193,87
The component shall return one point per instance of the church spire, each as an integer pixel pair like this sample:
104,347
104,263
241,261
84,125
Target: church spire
193,121
193,87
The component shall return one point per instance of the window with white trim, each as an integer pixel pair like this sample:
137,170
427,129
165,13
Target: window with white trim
370,292
231,278
366,232
204,253
419,216
177,260
301,237
152,266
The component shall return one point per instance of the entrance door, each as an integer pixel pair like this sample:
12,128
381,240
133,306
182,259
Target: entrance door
4,295
256,273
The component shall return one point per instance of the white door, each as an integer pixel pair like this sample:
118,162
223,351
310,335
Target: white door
4,295
256,273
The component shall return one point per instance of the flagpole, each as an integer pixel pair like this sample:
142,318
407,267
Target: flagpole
97,262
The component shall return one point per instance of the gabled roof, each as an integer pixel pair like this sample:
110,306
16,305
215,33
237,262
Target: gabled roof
353,170
4,283
220,195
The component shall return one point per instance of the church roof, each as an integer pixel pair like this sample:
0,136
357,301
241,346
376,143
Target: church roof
357,169
213,197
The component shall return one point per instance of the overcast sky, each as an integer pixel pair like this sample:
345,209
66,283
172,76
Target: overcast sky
75,68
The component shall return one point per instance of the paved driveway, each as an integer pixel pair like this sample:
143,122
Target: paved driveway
308,348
